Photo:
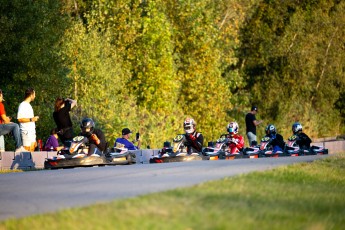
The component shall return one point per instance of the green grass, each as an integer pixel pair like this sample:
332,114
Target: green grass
4,171
302,196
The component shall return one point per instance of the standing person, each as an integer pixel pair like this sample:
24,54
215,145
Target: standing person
236,141
63,120
277,140
194,139
52,143
124,140
302,139
27,121
6,126
96,137
251,124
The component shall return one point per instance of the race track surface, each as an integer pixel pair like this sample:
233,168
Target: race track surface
28,193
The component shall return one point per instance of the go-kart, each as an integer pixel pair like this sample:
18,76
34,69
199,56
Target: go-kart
221,151
75,156
119,155
177,153
293,149
266,148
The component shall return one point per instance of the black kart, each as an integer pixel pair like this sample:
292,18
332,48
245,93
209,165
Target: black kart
75,156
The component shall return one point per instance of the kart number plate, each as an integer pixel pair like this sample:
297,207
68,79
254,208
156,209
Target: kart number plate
214,158
119,159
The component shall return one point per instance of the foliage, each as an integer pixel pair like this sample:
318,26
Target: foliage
30,32
293,64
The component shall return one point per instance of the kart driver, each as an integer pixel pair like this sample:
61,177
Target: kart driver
277,140
194,140
302,139
236,141
96,136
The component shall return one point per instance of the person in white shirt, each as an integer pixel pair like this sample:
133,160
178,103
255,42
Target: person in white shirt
27,121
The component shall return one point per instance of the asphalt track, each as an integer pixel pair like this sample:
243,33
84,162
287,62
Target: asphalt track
35,192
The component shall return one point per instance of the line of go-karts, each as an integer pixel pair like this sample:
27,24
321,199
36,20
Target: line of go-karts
76,155
220,150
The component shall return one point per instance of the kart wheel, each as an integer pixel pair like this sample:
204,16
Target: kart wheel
129,159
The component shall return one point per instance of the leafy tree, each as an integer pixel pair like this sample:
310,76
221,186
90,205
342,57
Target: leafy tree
30,32
290,51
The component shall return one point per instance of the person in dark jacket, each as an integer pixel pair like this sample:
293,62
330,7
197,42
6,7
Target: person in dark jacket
302,139
97,142
277,140
63,120
251,124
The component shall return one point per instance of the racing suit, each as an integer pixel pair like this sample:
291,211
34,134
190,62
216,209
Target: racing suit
235,143
194,142
277,142
303,140
97,141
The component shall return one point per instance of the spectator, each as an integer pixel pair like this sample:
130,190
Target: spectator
251,124
27,121
63,120
96,137
124,140
52,143
194,139
6,126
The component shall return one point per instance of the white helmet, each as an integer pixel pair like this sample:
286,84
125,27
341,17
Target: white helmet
232,127
189,125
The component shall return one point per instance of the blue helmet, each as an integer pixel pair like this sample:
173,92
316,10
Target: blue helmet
296,127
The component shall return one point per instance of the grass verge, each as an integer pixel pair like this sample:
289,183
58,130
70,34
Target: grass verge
300,196
4,171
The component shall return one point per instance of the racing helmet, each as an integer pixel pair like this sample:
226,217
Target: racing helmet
270,129
296,127
232,127
87,126
189,125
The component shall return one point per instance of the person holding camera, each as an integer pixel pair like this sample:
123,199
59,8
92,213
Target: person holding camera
124,140
63,120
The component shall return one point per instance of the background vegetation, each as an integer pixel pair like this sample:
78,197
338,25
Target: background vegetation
148,64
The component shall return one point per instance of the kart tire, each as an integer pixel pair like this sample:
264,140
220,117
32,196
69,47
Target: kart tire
129,159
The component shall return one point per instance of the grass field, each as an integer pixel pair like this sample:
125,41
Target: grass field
302,196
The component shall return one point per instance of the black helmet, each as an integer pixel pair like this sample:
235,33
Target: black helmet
270,129
87,123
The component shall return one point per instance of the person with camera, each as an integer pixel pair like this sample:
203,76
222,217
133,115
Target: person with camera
97,142
63,120
124,140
